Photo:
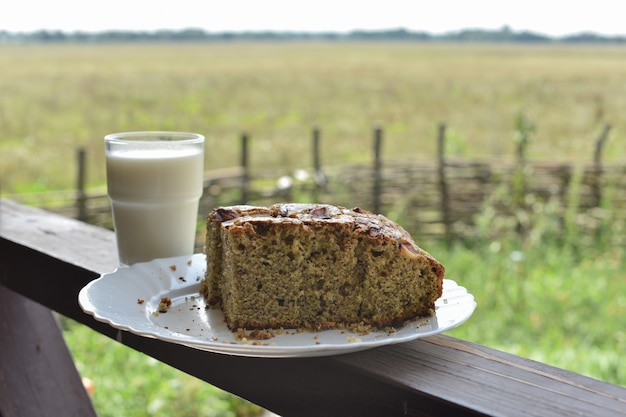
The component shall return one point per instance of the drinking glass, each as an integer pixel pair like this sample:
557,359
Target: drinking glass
155,181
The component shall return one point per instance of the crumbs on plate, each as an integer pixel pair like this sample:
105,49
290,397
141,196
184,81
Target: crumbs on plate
256,334
164,305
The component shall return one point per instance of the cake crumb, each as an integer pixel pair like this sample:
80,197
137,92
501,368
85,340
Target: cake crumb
173,267
353,339
140,301
256,334
423,322
361,328
164,305
391,330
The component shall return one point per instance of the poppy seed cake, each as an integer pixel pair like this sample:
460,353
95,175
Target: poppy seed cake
315,266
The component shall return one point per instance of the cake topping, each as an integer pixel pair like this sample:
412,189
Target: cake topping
408,251
222,214
320,213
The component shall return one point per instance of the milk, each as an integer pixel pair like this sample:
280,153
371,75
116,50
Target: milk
154,196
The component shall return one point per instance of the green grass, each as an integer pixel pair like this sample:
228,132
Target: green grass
56,98
552,303
130,384
555,293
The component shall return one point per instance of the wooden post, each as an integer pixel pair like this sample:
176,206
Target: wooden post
443,184
316,149
597,165
318,175
245,179
523,129
377,188
81,195
597,156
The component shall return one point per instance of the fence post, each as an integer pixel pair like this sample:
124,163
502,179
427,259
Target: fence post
597,165
245,179
523,130
81,195
377,188
318,175
443,184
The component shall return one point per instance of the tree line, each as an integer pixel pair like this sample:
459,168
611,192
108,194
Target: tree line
504,35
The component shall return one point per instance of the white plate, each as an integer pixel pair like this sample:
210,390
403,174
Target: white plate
128,299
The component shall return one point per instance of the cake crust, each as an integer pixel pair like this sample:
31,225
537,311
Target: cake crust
315,266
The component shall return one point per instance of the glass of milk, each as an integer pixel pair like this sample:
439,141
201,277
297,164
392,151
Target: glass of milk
155,181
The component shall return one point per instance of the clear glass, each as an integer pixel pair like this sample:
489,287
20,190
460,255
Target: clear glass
155,181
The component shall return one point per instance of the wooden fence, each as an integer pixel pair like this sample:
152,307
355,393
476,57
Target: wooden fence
442,197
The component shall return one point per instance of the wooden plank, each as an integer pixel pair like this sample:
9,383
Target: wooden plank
437,376
37,373
506,380
68,240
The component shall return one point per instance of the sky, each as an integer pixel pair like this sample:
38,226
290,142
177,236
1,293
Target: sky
548,17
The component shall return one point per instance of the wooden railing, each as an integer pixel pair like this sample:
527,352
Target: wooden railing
48,258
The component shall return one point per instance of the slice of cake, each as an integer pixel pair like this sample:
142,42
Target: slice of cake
315,266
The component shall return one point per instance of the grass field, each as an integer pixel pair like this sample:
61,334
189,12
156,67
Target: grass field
55,98
556,300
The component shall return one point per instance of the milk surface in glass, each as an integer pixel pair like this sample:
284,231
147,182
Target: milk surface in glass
154,192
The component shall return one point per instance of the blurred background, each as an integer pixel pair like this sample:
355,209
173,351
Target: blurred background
495,133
